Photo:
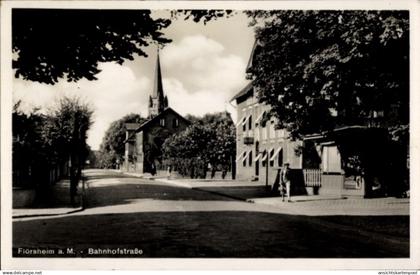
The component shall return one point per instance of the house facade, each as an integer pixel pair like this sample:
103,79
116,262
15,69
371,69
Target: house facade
261,149
143,142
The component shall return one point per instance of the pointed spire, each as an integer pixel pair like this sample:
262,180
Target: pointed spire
158,87
158,103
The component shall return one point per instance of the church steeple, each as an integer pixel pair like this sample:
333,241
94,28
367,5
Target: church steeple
157,100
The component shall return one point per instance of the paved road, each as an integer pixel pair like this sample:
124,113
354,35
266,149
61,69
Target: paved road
164,220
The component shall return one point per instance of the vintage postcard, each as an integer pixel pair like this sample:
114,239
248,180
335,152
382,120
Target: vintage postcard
209,135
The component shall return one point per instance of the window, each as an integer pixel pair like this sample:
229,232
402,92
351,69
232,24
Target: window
244,124
264,158
271,158
162,122
175,123
272,130
250,122
331,159
250,158
244,159
280,159
259,118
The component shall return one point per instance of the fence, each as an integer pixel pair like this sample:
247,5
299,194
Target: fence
312,177
30,177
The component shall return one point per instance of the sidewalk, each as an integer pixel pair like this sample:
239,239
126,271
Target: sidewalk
57,202
314,205
143,176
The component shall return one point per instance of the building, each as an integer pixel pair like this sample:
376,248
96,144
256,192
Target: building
315,160
262,149
144,141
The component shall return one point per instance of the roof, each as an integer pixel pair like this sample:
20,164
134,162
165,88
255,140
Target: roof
167,110
132,126
245,91
339,130
255,47
150,121
248,87
158,87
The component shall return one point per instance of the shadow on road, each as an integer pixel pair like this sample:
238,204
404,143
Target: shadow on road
125,194
240,234
240,192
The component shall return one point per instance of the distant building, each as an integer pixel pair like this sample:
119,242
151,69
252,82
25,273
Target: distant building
143,142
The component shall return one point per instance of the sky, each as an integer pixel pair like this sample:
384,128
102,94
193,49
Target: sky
202,69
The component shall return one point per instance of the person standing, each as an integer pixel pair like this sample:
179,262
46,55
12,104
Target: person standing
285,179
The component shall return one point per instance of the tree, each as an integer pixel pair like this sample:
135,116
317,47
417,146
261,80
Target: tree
311,65
320,70
209,140
188,150
45,142
53,44
65,134
28,149
204,16
50,44
112,146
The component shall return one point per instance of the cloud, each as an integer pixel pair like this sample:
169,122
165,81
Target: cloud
116,93
200,77
198,103
189,48
203,64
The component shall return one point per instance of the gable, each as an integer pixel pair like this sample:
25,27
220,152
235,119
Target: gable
245,93
167,113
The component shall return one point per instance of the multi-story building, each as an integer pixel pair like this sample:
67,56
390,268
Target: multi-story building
262,149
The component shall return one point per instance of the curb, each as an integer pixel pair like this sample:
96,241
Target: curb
79,209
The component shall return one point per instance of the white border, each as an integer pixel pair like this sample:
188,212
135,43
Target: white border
192,264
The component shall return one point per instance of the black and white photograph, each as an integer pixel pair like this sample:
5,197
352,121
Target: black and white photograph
208,132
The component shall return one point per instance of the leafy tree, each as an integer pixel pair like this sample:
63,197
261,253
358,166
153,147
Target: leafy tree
209,140
320,70
65,133
42,142
28,146
204,16
53,44
192,118
112,146
67,43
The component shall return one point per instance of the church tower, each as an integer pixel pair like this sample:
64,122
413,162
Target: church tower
157,100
